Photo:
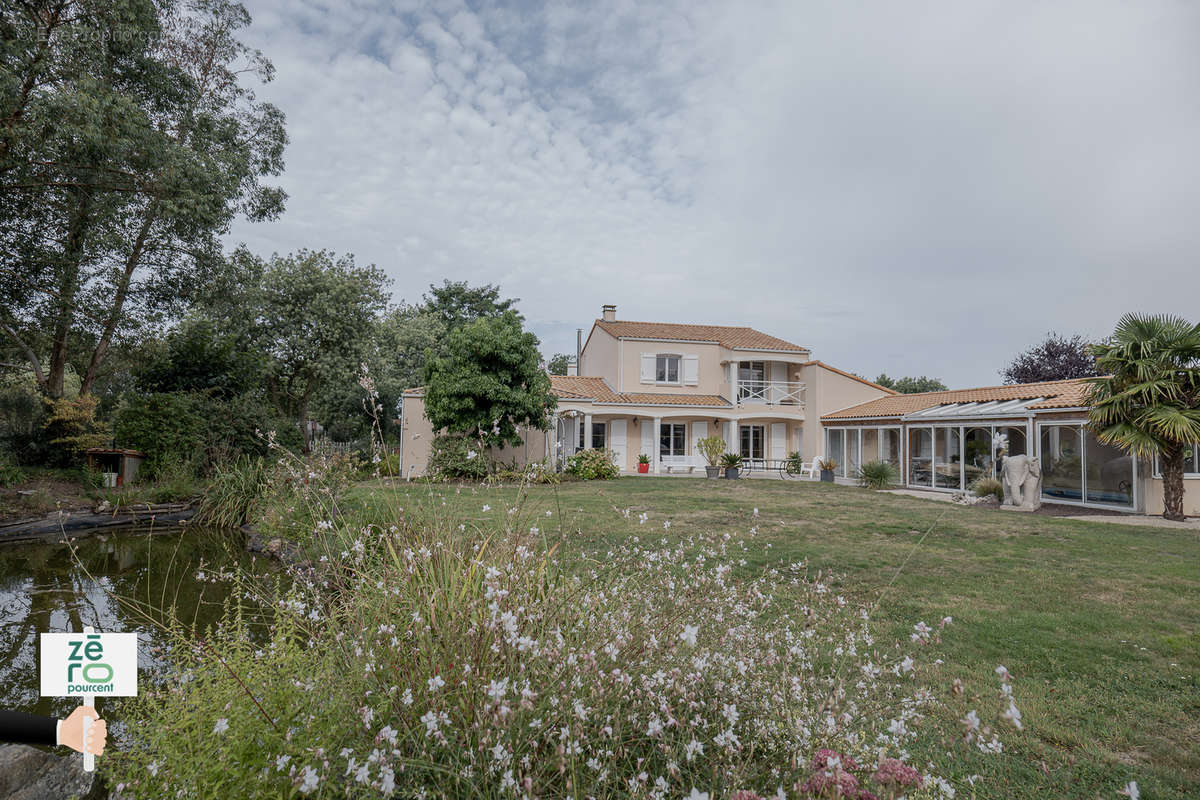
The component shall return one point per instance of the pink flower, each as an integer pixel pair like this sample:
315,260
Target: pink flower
825,759
894,773
745,794
822,784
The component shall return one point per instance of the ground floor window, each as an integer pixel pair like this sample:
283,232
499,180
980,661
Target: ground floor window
672,439
598,438
752,442
1191,463
1077,467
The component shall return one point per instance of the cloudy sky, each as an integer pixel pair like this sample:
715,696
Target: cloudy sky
916,188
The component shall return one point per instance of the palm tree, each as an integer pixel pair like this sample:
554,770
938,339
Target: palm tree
1148,400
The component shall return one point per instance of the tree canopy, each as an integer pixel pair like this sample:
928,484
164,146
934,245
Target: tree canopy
558,364
128,143
1054,359
911,385
456,304
489,383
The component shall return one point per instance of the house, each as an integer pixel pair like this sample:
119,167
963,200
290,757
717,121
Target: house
945,441
657,388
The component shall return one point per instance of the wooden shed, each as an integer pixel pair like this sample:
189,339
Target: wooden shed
118,466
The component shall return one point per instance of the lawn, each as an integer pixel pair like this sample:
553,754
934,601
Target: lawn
1098,623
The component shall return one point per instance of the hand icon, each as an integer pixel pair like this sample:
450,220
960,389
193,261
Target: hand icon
71,733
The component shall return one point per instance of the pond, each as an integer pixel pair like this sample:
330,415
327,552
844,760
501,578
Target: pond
48,587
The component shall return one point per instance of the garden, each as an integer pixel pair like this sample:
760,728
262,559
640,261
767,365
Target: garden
663,638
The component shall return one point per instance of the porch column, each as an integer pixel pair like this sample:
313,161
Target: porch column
655,447
587,431
731,437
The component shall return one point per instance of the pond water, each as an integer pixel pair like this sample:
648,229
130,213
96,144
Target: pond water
56,588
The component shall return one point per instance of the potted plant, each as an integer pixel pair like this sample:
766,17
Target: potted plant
712,448
827,466
731,462
643,463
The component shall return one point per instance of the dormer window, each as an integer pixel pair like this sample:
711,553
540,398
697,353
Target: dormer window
667,369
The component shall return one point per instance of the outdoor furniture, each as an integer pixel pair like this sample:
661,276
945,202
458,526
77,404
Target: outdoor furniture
689,463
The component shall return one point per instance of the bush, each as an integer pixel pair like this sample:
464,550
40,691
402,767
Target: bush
985,486
593,465
877,474
196,427
712,448
10,473
539,472
71,428
454,456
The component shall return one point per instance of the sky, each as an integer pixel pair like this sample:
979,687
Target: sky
917,188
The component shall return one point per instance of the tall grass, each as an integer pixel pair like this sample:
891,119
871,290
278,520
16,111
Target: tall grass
233,492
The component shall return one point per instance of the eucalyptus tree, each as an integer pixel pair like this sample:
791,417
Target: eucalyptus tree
129,143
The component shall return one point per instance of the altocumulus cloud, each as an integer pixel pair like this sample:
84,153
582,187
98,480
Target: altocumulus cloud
916,188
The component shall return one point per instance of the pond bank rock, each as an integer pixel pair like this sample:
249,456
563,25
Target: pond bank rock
273,546
27,773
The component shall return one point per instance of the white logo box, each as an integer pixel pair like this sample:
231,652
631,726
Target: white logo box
100,664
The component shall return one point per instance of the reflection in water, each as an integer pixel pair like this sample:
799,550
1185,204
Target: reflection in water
48,588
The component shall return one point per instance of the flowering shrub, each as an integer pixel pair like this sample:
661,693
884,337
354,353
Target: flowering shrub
453,456
593,465
426,659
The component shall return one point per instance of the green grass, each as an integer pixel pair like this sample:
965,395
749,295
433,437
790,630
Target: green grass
1098,623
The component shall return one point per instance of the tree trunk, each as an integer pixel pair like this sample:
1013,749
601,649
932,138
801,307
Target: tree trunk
1172,472
68,286
114,315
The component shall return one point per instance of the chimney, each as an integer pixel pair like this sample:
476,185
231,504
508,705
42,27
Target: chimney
578,351
609,313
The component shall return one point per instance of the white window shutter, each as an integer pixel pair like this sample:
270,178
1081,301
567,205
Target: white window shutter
648,365
648,438
616,441
691,370
699,431
778,440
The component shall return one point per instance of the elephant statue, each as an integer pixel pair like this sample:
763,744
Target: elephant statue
1022,479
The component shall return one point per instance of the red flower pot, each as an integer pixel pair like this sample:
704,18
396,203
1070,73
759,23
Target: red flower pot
643,468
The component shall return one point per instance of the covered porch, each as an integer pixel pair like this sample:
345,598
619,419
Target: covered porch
669,436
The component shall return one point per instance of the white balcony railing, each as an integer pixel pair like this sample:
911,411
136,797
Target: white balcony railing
772,393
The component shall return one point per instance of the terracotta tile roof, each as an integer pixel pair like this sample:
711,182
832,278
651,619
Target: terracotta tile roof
571,387
734,338
652,399
1057,394
574,387
850,375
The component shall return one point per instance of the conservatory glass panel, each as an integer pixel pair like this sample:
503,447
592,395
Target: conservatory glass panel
1109,473
947,465
920,456
850,468
1062,462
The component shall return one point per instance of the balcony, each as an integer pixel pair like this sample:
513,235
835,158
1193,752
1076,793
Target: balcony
771,393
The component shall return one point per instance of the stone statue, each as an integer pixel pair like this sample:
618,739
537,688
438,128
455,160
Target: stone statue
1022,479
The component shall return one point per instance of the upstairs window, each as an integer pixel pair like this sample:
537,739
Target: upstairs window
667,369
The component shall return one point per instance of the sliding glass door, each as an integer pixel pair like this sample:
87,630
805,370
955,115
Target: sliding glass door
1077,468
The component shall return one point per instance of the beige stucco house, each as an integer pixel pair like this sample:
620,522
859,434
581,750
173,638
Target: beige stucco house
946,440
657,388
